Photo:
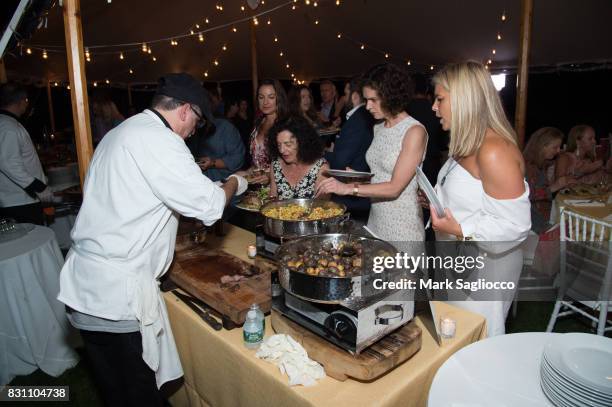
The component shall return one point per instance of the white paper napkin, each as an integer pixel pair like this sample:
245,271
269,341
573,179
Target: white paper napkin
292,359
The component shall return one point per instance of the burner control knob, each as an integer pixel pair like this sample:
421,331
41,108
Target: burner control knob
341,326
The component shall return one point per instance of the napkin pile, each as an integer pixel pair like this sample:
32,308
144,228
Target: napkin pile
292,359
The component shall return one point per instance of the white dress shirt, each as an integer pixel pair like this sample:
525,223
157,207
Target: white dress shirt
141,178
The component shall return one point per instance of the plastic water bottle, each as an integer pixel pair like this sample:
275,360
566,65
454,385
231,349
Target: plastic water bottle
260,315
252,330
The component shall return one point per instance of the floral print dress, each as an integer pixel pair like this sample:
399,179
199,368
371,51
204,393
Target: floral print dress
305,188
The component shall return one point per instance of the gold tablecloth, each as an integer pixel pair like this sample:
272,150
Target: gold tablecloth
597,212
220,371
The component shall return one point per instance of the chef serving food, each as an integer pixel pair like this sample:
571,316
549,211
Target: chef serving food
141,178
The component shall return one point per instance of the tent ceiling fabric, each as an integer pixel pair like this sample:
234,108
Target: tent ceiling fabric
425,32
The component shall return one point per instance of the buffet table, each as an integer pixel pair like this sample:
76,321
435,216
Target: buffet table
34,331
220,371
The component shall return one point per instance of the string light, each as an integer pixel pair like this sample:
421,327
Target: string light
489,62
191,32
174,43
499,37
386,55
87,55
149,50
68,87
242,8
255,21
54,83
234,29
207,21
493,51
315,4
362,46
95,84
293,7
216,63
201,37
144,47
275,39
29,51
154,59
121,55
503,16
107,82
287,66
131,71
337,2
206,74
408,63
198,26
269,22
431,68
316,22
339,35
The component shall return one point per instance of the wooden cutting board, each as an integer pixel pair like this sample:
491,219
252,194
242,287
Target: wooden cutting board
378,359
199,270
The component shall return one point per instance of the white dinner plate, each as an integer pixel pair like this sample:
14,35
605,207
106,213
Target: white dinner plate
426,187
569,393
585,358
574,385
350,174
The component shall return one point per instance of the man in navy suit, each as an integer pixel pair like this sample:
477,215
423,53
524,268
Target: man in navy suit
350,148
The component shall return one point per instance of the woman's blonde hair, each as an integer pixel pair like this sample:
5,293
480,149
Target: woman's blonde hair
538,140
475,107
574,135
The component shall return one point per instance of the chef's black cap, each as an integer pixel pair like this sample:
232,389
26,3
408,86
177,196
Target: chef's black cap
186,88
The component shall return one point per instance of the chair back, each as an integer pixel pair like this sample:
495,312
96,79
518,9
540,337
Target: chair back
586,264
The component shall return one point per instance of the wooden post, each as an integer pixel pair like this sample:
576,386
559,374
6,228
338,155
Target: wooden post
254,76
523,71
3,77
78,84
50,102
129,89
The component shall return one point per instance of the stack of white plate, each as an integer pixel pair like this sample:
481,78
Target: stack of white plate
576,370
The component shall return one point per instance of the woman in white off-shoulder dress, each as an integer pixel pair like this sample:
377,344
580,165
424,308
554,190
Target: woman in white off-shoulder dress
482,185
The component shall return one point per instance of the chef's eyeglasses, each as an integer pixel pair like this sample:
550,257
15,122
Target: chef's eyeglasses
201,122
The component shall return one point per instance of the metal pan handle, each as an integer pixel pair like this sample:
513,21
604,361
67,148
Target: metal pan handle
396,311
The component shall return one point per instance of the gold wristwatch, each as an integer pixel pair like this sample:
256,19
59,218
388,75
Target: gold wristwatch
355,189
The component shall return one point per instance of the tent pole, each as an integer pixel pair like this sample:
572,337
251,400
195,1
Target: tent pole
523,70
78,84
254,77
3,77
129,89
50,102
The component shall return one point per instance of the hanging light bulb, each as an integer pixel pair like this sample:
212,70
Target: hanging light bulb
154,59
216,63
362,46
275,39
198,26
54,83
149,50
499,37
489,62
386,55
107,82
493,51
242,8
269,22
293,7
224,48
131,71
144,47
408,63
234,29
307,2
201,37
337,2
87,55
206,74
316,22
191,32
207,22
29,51
95,84
255,21
315,4
121,55
68,87
339,35
431,68
280,53
287,66
503,16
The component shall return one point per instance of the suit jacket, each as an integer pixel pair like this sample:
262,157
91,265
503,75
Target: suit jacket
349,151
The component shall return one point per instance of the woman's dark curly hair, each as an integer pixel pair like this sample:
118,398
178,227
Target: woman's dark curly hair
310,147
393,85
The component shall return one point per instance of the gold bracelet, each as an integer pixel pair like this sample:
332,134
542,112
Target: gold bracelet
355,189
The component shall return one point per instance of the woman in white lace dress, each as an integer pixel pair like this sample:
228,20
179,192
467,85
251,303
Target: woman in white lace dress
482,186
397,149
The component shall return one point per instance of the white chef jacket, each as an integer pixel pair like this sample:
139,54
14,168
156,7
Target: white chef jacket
19,163
141,178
